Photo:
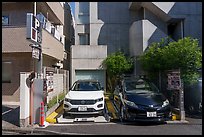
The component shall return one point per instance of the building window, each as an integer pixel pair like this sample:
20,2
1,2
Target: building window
83,7
84,39
5,20
175,29
83,15
6,71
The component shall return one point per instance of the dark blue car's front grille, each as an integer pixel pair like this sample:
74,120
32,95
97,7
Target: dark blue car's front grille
141,112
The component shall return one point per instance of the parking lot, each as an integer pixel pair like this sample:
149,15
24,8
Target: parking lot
112,115
58,115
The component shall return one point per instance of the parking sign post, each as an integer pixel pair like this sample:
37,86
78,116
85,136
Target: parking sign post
175,83
181,102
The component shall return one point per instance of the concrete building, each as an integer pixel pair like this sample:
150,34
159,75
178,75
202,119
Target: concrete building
106,27
87,55
16,52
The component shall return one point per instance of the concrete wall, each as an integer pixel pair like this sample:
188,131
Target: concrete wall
17,12
51,45
192,14
86,57
57,9
115,29
14,40
142,34
24,100
106,27
136,38
95,24
21,62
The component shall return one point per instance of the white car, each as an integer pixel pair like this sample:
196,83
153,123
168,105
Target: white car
85,97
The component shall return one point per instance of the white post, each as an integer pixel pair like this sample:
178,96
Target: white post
24,99
35,9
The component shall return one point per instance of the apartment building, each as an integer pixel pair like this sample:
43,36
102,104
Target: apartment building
16,52
106,27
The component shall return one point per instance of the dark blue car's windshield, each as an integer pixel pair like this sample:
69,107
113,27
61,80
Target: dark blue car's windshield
86,86
140,87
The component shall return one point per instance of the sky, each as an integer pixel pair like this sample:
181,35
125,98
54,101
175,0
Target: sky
72,4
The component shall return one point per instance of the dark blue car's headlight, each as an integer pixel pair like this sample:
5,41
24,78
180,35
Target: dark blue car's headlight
130,103
165,103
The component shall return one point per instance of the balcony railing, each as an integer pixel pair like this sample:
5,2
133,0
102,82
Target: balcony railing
48,26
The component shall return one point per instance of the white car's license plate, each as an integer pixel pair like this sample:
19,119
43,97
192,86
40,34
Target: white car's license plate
82,108
151,114
80,119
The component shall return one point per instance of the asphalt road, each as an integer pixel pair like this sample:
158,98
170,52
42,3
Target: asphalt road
10,117
117,128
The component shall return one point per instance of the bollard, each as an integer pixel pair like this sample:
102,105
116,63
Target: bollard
42,115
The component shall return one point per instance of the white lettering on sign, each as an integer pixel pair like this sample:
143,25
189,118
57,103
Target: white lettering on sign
37,23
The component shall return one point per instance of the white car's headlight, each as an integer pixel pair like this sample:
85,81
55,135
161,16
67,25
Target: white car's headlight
67,99
100,99
130,103
165,103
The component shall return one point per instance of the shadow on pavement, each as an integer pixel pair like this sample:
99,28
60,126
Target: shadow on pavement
194,115
11,115
138,123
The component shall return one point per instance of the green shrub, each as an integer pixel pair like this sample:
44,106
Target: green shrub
53,101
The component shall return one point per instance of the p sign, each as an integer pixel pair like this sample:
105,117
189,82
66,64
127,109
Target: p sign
36,23
34,29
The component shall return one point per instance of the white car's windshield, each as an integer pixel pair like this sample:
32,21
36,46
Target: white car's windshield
86,86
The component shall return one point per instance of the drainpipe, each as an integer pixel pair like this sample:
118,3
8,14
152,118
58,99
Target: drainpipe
182,28
144,14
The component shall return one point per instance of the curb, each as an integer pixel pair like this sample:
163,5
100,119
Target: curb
29,131
52,117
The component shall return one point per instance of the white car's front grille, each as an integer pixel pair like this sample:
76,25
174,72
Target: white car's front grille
83,102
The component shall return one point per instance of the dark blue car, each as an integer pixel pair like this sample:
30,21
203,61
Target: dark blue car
138,99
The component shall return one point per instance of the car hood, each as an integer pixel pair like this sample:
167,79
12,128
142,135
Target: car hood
146,99
89,95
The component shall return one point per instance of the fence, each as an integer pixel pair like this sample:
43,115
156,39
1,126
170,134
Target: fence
57,82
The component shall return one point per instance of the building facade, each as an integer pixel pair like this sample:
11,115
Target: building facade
107,27
16,52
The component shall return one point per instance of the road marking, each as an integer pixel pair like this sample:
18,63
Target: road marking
85,124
